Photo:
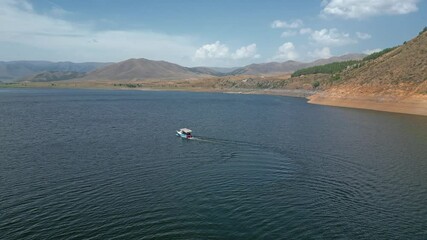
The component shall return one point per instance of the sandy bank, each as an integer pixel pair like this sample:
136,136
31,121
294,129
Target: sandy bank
279,92
410,105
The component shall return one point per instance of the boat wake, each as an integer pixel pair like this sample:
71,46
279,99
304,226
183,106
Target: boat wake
204,140
220,141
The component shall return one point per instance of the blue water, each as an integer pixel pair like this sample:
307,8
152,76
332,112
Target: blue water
95,164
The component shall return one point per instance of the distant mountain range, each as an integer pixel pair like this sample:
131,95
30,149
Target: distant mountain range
16,70
50,76
141,69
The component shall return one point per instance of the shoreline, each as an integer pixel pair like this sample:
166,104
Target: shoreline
415,105
412,105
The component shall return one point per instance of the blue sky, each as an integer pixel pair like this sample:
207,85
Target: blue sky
201,32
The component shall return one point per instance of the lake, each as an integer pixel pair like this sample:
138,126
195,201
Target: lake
103,164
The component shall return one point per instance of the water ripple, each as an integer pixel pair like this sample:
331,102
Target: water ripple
105,165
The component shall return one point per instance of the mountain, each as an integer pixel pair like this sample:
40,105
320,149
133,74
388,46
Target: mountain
269,68
206,70
394,81
141,69
49,76
289,66
12,71
224,70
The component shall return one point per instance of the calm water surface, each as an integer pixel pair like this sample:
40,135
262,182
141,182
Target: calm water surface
92,164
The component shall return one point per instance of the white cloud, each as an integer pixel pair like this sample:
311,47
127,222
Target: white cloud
220,51
286,52
370,51
303,31
360,9
246,52
283,24
363,36
27,34
213,50
322,53
288,34
331,37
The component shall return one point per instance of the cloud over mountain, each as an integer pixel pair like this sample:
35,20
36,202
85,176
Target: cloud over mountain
331,37
284,24
249,51
360,9
287,51
218,52
213,50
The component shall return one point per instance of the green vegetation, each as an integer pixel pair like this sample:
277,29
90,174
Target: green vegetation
315,84
330,68
378,54
335,77
337,67
11,85
128,85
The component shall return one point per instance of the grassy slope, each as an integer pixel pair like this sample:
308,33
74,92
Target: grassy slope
403,69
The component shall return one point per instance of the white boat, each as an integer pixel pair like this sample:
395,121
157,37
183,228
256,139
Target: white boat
184,133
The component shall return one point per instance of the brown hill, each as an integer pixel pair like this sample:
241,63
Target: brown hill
397,80
142,69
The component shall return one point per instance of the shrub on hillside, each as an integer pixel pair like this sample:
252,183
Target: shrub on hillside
330,68
378,54
315,84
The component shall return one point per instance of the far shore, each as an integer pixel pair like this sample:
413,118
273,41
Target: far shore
412,105
301,93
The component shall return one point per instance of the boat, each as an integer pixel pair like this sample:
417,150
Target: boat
184,133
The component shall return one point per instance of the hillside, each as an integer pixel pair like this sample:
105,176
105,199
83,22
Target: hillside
206,70
394,81
290,66
142,69
49,76
16,70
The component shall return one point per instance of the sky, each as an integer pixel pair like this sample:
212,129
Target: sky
220,33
